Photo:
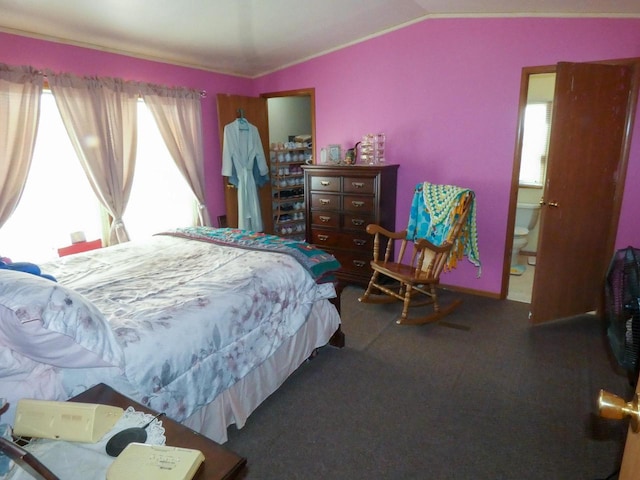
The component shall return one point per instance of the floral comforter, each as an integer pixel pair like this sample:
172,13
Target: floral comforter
192,317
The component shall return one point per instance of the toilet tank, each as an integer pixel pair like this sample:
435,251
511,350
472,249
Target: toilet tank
527,215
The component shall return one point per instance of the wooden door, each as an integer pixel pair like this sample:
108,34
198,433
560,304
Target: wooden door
254,110
585,181
631,456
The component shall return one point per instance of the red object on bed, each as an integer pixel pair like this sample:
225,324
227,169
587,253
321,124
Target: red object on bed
79,247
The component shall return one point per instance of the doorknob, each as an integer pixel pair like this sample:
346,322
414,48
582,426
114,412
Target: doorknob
553,204
613,407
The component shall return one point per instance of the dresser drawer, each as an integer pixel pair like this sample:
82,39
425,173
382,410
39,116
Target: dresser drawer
359,242
324,238
325,201
358,203
358,222
354,262
325,219
325,184
358,185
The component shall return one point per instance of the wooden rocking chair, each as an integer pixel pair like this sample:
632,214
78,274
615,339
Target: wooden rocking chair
421,274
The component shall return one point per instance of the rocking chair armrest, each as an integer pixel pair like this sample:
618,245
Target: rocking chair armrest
373,229
423,243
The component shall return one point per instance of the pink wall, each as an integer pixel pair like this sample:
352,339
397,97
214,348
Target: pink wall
445,92
17,50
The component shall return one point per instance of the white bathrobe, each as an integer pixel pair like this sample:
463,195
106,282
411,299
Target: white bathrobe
241,153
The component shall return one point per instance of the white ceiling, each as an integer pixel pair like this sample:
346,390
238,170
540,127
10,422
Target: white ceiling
254,37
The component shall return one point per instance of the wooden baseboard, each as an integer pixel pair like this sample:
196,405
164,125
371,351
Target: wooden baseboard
471,291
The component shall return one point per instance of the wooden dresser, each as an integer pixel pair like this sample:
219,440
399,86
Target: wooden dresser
340,201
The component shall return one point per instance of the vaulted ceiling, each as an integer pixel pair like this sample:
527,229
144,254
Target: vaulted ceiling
254,37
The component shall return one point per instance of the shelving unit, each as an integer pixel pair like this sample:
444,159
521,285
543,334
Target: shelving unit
287,186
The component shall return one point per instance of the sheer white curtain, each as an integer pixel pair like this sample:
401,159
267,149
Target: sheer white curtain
100,117
178,113
57,198
160,197
20,89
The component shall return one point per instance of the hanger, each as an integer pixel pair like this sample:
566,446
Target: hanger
244,125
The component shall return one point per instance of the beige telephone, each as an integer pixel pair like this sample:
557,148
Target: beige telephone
155,462
76,422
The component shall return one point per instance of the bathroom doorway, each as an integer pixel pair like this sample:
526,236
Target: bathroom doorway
564,284
536,127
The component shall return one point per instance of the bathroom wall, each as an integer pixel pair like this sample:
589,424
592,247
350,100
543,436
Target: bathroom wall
288,116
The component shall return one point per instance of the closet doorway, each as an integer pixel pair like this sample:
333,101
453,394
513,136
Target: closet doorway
288,109
580,204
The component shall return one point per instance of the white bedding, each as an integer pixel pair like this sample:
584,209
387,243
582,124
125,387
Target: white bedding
188,337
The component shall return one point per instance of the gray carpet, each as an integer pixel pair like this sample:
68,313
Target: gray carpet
501,400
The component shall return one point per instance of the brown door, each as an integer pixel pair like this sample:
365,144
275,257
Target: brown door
254,110
585,181
631,457
613,407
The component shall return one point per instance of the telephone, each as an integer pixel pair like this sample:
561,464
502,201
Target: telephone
73,421
155,462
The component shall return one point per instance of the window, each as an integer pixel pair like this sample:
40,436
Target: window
160,197
58,200
535,143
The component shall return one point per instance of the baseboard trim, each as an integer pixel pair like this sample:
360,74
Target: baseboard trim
471,291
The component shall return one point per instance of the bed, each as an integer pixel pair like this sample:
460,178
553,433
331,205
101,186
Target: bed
200,323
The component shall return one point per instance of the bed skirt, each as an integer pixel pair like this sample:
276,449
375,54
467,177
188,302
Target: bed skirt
234,405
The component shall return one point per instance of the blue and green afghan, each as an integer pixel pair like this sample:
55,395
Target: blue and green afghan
320,264
432,215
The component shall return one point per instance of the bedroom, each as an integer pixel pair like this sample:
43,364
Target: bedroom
445,92
475,66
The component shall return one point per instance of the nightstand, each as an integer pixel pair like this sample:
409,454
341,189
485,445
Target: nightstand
219,463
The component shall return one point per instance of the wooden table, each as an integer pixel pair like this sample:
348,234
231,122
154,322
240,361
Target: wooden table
219,462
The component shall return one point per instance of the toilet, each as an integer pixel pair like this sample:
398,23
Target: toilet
526,219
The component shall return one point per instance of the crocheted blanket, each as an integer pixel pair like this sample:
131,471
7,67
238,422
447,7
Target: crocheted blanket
320,264
433,211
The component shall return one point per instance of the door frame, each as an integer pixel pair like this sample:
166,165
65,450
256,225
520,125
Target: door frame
515,177
301,92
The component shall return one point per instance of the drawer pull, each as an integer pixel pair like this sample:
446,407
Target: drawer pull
325,183
359,242
358,222
359,263
324,219
325,201
357,184
357,203
323,238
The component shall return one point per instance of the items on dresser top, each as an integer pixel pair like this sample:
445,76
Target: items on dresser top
340,201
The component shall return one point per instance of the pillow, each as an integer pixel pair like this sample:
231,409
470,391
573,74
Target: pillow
21,377
50,323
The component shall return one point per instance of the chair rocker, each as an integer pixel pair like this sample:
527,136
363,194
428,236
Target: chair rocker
414,282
